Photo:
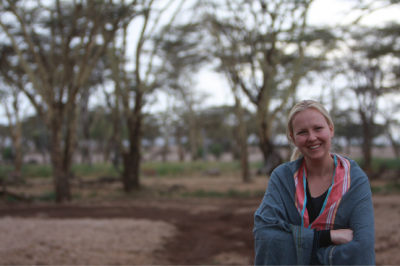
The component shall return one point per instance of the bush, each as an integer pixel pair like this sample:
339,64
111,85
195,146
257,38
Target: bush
7,153
216,150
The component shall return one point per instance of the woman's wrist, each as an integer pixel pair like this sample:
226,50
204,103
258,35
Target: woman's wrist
341,236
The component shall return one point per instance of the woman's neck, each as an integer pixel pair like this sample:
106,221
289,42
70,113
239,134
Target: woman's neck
319,169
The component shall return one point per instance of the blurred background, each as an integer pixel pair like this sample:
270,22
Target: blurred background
174,111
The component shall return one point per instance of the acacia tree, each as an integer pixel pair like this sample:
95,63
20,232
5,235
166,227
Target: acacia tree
266,47
391,125
87,119
182,49
9,99
133,87
371,68
12,80
58,45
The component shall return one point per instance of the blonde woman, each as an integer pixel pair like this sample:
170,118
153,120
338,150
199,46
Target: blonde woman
318,207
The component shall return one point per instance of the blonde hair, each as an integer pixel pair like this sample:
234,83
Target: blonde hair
301,106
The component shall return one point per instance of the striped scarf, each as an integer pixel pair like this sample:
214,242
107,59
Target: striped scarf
340,185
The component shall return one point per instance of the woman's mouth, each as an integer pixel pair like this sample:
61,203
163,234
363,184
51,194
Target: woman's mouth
314,146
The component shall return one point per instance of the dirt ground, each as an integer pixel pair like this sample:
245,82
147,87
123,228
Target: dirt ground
157,231
177,232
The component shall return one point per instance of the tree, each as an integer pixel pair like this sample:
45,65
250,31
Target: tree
86,118
58,45
348,126
9,99
391,124
242,136
36,134
134,86
371,68
182,49
366,7
267,48
12,80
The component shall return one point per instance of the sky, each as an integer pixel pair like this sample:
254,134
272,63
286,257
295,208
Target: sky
321,13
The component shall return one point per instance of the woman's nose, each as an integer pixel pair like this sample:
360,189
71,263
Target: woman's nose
312,137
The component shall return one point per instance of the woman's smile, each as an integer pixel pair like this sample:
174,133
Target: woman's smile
315,147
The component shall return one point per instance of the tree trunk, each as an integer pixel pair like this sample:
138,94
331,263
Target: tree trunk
178,137
131,171
131,159
367,142
348,140
61,175
271,158
17,142
62,149
84,116
165,148
106,149
244,156
192,135
395,145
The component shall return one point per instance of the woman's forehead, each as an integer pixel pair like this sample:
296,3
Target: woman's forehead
309,116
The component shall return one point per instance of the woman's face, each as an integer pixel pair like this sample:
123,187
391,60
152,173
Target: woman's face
312,134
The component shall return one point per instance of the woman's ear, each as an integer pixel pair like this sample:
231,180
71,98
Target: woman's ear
291,136
332,131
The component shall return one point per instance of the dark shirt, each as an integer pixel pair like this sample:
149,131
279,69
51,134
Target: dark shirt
314,206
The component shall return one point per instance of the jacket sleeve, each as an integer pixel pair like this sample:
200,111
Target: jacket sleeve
276,240
359,251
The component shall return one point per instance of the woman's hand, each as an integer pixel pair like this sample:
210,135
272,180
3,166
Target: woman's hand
341,236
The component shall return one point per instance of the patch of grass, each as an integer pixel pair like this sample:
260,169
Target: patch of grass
194,168
391,187
34,171
28,170
11,199
189,168
376,189
390,163
92,194
256,165
94,170
49,196
162,169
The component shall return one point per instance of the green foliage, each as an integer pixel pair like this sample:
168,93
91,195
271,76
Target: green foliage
216,150
200,152
7,153
2,174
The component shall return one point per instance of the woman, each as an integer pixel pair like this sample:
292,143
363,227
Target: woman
318,207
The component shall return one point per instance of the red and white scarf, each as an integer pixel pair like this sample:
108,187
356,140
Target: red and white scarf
340,185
